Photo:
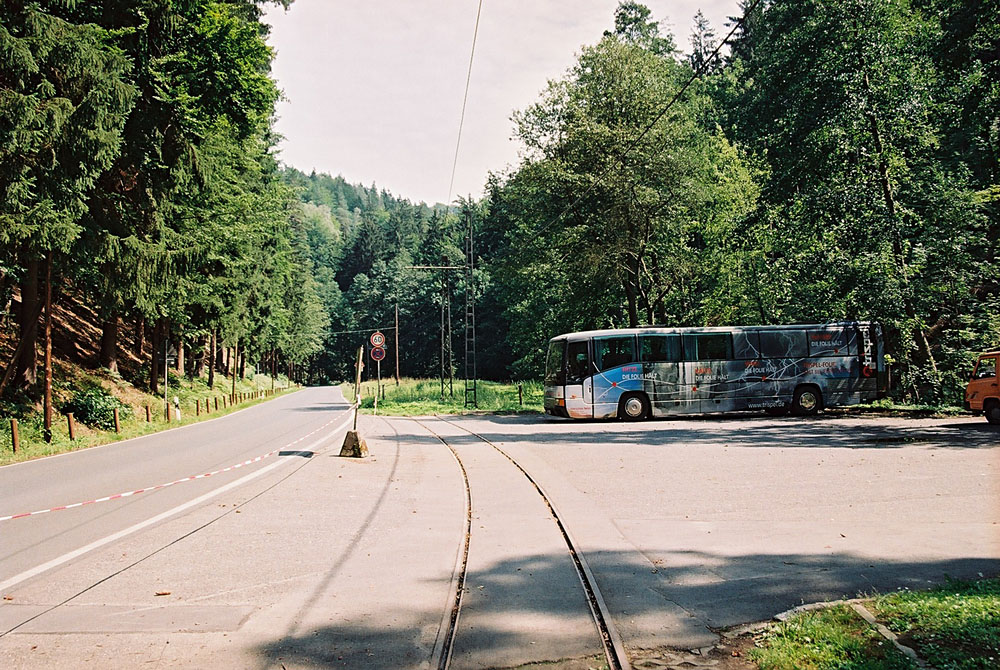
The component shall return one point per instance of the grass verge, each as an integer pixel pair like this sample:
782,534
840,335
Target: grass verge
952,627
191,396
422,397
955,626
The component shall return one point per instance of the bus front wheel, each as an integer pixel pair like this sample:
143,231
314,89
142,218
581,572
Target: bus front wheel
807,401
633,407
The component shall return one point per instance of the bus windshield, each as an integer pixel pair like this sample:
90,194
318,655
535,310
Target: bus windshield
554,371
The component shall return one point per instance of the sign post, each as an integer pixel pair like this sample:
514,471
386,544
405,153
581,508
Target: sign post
377,354
354,444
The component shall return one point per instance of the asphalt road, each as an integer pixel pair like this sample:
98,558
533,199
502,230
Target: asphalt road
288,423
689,526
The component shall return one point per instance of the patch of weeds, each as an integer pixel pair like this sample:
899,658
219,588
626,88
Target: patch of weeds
96,407
831,639
953,627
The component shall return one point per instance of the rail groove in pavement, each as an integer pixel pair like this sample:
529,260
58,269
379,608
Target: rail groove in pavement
611,641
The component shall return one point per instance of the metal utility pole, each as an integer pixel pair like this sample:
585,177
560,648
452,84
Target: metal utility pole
451,356
397,344
471,395
441,356
445,315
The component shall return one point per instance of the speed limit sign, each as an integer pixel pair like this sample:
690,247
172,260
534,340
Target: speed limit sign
377,339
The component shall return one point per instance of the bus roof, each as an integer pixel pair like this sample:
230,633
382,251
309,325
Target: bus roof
647,330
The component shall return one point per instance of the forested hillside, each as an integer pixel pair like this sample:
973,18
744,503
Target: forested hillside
839,161
137,178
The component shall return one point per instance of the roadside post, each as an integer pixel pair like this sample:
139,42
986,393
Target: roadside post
355,445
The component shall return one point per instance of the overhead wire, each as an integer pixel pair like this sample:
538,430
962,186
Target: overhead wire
465,99
635,142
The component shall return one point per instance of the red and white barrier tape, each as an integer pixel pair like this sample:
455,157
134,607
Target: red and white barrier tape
127,494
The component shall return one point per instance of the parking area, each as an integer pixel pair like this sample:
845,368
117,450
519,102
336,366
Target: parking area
726,520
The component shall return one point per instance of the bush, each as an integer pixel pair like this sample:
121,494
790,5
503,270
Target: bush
95,407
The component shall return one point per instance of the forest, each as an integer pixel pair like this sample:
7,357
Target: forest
837,159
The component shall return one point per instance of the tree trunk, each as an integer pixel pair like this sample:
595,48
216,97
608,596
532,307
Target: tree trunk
243,364
27,363
180,353
211,361
47,395
232,360
897,239
140,335
154,362
199,368
109,343
633,303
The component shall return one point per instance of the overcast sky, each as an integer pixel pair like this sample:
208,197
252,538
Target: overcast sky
374,87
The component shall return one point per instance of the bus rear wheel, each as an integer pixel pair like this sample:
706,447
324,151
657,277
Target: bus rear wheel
807,401
992,412
633,407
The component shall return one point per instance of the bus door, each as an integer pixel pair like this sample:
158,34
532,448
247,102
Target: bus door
706,368
579,383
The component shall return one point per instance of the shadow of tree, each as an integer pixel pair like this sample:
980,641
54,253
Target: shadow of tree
404,636
744,431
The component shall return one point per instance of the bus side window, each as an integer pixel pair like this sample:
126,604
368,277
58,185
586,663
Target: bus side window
708,347
611,352
746,346
577,362
783,344
659,348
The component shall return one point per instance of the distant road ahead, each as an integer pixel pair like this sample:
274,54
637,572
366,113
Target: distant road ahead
281,428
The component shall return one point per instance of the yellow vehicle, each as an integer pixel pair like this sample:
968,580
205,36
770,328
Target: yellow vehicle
983,392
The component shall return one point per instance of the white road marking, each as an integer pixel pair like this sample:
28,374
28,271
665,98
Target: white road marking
55,562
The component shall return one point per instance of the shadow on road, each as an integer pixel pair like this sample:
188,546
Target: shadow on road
382,640
742,432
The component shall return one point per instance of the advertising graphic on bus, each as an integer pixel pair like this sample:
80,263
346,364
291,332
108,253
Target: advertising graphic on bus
636,373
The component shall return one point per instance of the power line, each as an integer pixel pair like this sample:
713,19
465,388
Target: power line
465,98
634,143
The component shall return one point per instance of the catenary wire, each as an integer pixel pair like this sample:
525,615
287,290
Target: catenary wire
465,98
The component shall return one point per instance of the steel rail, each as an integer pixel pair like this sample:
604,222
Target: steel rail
611,641
445,643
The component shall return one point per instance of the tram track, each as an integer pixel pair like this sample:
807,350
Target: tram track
611,641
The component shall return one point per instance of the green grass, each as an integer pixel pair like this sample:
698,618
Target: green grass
422,397
835,638
30,421
953,627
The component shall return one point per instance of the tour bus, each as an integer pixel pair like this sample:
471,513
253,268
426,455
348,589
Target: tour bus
635,373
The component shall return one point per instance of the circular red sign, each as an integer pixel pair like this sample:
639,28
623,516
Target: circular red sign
377,339
378,353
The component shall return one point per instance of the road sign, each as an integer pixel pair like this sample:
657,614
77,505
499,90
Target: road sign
378,353
377,340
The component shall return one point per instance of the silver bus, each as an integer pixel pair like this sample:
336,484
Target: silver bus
636,373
